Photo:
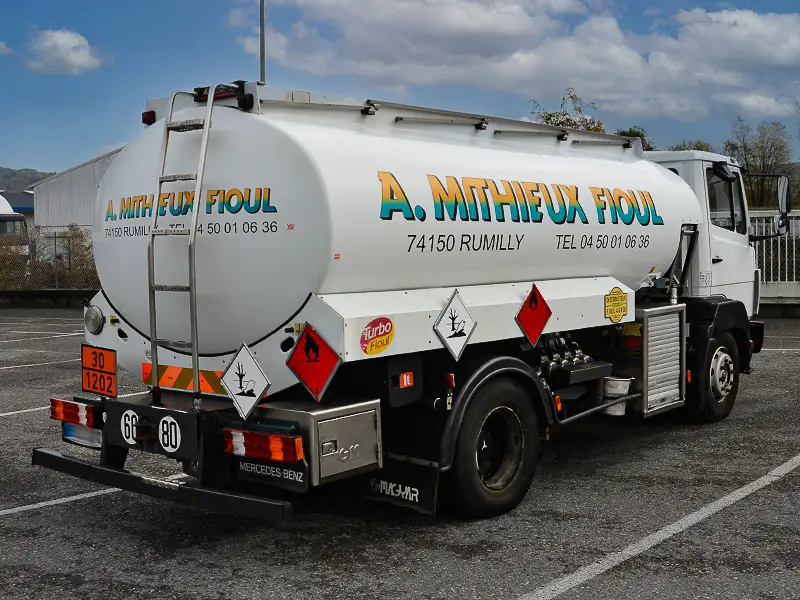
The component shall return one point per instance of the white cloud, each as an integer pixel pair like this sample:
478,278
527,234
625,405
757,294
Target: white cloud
239,17
732,59
5,49
62,52
757,104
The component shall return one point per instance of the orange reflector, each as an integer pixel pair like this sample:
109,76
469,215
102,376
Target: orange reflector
406,380
558,403
267,446
688,376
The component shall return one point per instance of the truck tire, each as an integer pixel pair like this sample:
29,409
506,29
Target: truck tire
497,450
713,392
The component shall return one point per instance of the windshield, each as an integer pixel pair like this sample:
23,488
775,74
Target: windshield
13,229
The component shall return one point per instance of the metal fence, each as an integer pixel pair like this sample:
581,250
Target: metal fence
778,258
52,260
63,259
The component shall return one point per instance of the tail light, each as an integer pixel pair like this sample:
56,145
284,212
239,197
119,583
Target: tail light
81,424
266,446
76,413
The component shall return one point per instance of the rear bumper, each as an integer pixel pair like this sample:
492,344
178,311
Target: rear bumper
275,512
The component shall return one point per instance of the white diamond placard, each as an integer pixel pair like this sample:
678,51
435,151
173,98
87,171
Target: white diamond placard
245,382
455,325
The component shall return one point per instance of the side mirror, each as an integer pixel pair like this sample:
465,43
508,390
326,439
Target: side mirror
784,195
723,171
780,224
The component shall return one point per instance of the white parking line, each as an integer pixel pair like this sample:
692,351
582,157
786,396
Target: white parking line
609,561
57,362
19,509
49,337
22,412
32,319
29,410
41,321
55,333
780,349
26,350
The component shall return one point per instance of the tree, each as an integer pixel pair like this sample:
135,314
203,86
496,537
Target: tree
699,145
640,132
576,119
20,180
765,150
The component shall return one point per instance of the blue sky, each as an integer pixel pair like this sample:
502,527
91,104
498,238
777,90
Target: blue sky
77,74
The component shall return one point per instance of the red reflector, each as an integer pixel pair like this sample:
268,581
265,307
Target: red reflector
266,446
149,117
313,361
451,380
632,343
76,413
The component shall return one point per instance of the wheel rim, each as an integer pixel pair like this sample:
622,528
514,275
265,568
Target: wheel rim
498,451
721,374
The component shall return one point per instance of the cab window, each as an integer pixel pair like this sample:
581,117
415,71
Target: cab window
13,228
726,203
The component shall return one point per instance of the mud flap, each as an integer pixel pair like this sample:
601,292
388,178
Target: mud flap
401,482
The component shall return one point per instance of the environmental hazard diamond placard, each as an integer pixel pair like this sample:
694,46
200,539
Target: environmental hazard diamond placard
455,325
245,382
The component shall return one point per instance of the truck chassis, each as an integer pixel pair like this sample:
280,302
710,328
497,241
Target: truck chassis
475,445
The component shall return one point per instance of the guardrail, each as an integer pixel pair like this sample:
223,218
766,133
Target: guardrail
778,259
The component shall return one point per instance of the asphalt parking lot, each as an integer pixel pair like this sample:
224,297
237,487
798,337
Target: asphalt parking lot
605,486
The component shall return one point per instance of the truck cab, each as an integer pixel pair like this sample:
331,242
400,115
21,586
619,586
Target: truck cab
725,261
13,230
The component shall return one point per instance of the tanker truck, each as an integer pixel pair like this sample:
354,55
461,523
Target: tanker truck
403,301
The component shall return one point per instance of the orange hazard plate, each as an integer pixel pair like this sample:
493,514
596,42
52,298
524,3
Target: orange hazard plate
99,371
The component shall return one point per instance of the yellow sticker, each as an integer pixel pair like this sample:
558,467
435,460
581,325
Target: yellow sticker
616,305
632,330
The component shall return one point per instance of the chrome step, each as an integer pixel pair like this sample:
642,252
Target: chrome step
178,177
190,125
170,231
162,287
173,343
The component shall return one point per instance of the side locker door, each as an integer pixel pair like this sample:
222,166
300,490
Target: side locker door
732,257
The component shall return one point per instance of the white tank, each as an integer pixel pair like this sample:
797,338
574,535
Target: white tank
302,201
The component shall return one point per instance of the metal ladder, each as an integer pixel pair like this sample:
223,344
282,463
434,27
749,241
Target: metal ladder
171,126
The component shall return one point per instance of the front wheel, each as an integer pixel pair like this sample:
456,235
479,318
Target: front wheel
714,393
497,450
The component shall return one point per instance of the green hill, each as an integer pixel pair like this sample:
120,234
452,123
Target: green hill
19,180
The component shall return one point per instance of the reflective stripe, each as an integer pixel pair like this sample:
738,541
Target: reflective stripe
180,378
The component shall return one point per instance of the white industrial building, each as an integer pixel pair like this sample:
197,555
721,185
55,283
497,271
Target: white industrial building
68,198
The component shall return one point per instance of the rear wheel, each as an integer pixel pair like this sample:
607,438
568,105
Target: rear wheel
714,393
497,450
